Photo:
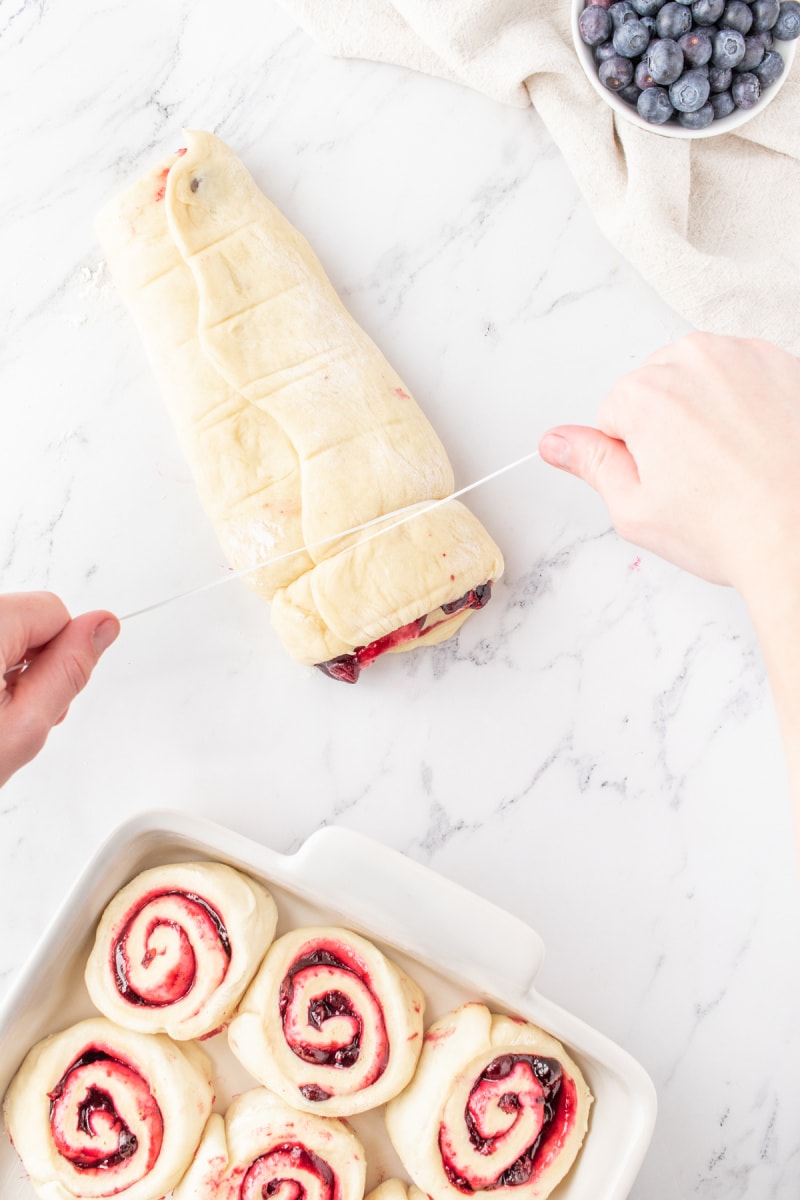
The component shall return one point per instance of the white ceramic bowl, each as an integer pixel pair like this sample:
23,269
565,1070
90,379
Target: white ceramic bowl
456,945
726,125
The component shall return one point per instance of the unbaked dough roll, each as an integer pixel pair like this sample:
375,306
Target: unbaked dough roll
395,1189
329,1023
294,424
497,1107
177,946
100,1111
265,1148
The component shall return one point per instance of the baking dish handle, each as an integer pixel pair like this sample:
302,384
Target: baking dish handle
418,910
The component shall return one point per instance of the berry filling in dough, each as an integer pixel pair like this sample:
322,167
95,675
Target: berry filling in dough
295,426
495,1104
98,1111
329,1023
264,1148
177,947
348,667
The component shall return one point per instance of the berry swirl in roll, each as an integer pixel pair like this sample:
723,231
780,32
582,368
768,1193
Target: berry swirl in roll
265,1148
176,948
496,1106
100,1111
329,1023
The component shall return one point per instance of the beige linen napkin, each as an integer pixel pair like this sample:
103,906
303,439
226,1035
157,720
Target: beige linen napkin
712,223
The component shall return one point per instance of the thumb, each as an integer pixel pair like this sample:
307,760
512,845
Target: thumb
603,462
62,668
44,692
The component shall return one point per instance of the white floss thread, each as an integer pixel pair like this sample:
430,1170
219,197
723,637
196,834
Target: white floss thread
334,537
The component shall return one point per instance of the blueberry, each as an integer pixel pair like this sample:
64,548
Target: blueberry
631,93
622,11
594,25
770,68
707,12
673,20
654,107
766,38
722,104
642,77
690,92
616,73
631,39
787,26
765,14
746,90
753,54
648,8
698,119
650,25
696,47
664,60
737,15
720,78
728,48
604,51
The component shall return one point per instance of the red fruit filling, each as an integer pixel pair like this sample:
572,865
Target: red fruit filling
348,667
317,973
555,1095
84,1119
178,980
284,1172
162,190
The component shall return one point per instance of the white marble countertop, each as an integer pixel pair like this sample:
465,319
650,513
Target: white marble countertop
596,752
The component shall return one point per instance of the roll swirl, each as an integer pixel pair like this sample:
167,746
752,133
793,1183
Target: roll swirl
177,946
496,1106
329,1023
98,1111
264,1147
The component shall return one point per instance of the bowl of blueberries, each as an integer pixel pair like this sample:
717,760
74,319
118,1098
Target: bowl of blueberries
686,70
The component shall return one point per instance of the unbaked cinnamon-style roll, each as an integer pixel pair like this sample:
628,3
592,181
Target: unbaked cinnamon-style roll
496,1108
329,1023
264,1148
395,1189
100,1111
177,946
295,426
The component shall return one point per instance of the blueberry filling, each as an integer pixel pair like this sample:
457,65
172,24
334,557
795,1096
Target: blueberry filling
120,947
549,1074
270,1171
320,1005
95,1100
329,1004
348,667
314,1093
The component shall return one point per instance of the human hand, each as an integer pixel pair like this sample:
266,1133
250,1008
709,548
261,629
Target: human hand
696,455
35,626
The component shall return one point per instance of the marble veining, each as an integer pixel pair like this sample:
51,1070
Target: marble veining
596,752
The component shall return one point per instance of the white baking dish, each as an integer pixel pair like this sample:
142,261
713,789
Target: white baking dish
456,945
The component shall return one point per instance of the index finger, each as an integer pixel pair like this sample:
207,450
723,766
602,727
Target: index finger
28,620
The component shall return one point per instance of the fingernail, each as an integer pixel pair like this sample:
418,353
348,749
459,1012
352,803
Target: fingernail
105,633
556,450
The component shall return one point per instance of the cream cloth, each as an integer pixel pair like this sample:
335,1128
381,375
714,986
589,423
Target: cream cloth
712,223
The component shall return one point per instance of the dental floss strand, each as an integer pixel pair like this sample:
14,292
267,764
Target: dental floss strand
411,513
